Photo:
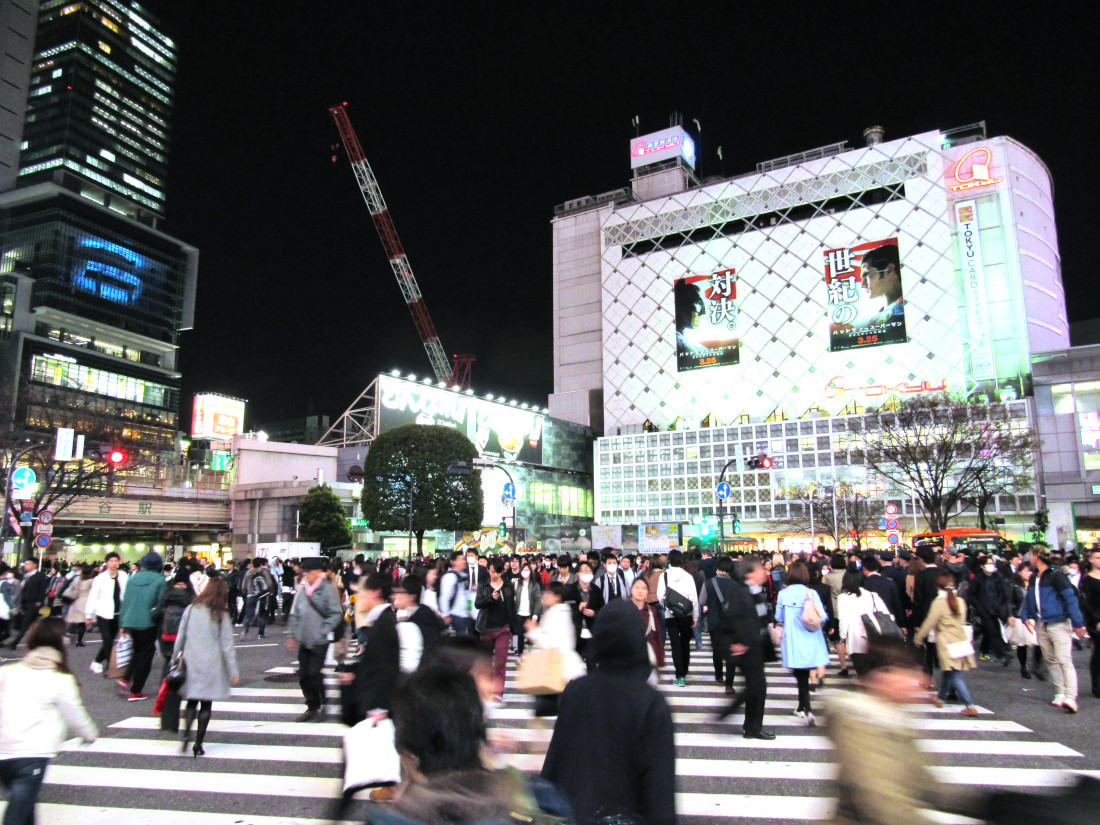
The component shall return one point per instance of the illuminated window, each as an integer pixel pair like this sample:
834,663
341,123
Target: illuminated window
109,23
72,8
104,47
63,372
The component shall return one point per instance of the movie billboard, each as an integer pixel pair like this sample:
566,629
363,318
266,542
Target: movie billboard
866,307
497,430
707,320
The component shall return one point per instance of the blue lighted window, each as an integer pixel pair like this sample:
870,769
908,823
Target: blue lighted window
108,270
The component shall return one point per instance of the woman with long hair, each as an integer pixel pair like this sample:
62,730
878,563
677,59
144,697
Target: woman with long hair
40,708
78,590
947,616
1018,633
854,602
804,650
173,602
639,597
205,639
528,590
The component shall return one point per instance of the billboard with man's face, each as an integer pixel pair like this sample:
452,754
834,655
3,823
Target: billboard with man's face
866,307
707,319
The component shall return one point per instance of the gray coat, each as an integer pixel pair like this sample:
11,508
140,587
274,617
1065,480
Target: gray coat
312,619
208,653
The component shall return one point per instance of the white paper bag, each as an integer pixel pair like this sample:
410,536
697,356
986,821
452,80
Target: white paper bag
370,757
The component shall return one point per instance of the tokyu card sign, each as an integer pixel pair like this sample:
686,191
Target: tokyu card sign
866,307
982,366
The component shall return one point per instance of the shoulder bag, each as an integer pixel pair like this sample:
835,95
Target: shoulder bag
811,616
177,668
879,623
677,603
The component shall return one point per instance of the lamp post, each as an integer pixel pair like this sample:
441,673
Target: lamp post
463,468
722,505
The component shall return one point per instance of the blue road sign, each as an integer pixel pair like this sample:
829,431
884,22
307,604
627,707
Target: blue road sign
891,524
509,490
893,538
23,477
882,523
26,517
723,490
42,540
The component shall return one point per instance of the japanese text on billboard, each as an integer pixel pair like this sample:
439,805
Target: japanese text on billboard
973,281
707,320
865,303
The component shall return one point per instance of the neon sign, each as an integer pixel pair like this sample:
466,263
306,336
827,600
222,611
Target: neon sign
972,170
836,388
663,145
108,270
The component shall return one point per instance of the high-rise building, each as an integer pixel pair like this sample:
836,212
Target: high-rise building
17,24
93,295
99,105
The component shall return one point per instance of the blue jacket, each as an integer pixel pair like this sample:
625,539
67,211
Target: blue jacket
802,648
1057,601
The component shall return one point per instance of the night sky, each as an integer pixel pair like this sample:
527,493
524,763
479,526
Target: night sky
479,118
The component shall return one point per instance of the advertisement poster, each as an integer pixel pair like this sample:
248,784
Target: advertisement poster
607,535
866,305
658,538
706,321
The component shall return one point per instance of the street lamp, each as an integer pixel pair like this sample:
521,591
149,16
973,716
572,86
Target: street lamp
722,506
463,468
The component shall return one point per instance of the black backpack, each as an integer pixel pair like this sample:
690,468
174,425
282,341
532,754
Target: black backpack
170,624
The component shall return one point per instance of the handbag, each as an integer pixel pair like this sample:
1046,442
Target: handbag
541,672
370,757
811,616
679,605
121,654
177,672
776,633
960,650
879,623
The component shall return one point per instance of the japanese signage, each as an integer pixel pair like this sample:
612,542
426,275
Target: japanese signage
216,416
865,303
982,367
496,429
707,321
664,145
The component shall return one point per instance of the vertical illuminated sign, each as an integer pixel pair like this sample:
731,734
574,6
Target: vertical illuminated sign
982,366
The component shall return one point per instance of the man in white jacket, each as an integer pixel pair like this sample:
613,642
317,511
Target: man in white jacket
680,627
104,602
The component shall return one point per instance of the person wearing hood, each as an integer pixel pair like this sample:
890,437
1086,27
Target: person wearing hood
136,618
614,719
40,708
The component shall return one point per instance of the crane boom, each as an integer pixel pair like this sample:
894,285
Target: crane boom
383,222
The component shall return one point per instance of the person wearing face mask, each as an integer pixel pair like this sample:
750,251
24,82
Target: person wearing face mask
610,586
990,602
584,615
528,590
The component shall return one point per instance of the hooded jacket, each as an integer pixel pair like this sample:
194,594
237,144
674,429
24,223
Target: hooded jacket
619,723
143,592
40,707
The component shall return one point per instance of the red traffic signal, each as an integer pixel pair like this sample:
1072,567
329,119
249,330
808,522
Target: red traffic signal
113,456
765,463
759,462
116,456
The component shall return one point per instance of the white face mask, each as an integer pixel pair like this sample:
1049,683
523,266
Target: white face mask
612,569
991,568
525,574
585,577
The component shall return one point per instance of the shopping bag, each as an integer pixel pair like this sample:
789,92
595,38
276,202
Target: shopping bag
370,757
170,713
960,650
121,654
158,705
541,672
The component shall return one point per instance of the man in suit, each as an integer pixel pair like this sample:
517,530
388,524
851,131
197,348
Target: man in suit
744,632
610,586
924,593
877,583
379,664
32,597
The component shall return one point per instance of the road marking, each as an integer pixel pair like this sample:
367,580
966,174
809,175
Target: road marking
214,750
195,781
53,813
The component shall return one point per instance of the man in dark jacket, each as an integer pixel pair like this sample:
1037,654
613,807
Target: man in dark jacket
379,664
612,719
136,618
31,598
924,593
884,587
745,629
989,605
712,601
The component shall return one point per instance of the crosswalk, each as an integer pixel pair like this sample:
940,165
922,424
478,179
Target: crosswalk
263,768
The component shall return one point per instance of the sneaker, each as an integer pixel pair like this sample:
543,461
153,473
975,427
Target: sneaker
798,714
122,686
96,667
811,722
1070,705
986,657
137,697
937,702
261,636
680,682
971,711
1058,700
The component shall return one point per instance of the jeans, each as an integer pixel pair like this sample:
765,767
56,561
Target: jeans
254,609
496,639
463,625
952,680
1056,642
698,633
23,779
108,629
145,649
310,662
679,638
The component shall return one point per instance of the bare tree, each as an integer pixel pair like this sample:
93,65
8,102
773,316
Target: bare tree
947,453
841,513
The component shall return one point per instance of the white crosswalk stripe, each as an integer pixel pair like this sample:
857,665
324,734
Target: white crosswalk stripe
267,769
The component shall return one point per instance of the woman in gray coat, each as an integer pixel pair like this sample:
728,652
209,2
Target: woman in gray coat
206,640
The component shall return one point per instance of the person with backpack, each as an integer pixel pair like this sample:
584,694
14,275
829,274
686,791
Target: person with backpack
454,601
257,587
173,602
800,611
677,593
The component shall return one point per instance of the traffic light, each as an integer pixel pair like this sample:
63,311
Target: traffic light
737,526
502,531
704,527
114,456
759,462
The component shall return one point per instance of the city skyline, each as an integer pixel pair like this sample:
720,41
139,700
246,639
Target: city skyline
489,122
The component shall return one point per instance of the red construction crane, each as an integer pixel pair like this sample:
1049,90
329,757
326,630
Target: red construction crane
459,374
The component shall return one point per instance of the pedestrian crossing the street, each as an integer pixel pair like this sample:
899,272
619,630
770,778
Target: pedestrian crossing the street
263,768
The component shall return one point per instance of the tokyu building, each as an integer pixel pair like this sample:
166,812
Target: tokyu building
700,325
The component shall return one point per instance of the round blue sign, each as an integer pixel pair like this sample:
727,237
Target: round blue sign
42,540
509,490
23,477
893,538
723,490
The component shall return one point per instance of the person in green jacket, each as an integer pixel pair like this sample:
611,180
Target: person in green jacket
138,620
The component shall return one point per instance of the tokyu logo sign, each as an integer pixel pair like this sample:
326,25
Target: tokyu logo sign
973,171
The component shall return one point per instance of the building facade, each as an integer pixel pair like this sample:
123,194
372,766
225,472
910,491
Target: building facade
776,312
18,19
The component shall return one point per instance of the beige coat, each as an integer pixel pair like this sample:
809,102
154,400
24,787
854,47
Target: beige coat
79,588
949,629
883,775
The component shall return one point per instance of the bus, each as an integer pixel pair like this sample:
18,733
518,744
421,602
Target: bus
971,540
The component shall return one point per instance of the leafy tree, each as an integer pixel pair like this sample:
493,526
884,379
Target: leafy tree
321,518
1040,526
405,481
948,454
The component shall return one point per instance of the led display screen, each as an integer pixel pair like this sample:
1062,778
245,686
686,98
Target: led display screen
215,416
497,430
109,270
706,320
865,302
